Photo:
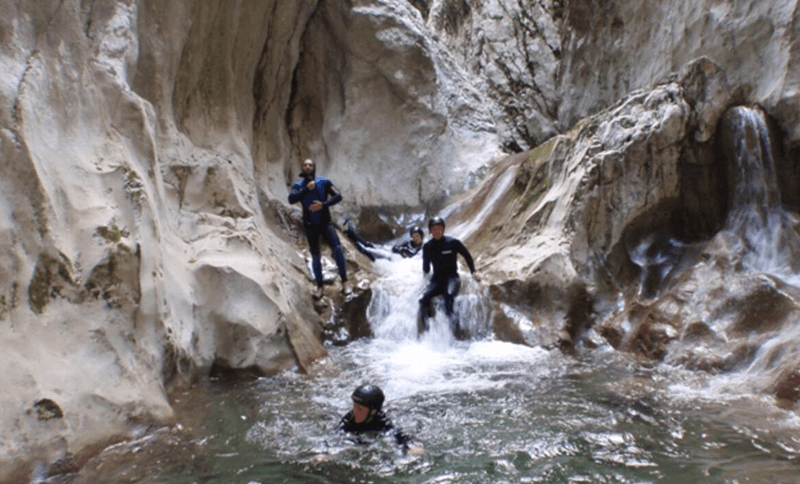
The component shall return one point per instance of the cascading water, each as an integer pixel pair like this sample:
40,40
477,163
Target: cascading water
757,221
393,309
762,234
484,410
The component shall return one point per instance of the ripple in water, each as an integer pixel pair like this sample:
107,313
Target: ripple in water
486,412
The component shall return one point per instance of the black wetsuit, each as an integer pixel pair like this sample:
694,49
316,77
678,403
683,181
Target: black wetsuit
361,244
379,423
407,249
442,254
318,223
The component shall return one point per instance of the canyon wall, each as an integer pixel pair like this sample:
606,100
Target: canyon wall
147,146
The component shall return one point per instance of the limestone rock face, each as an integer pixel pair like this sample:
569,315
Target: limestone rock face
550,63
147,148
514,48
561,233
392,117
135,249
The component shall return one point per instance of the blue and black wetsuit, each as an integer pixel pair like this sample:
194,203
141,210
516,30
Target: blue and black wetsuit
318,223
380,423
442,254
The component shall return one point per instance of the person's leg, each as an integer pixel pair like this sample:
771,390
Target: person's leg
362,245
312,235
329,232
450,293
351,234
361,248
434,289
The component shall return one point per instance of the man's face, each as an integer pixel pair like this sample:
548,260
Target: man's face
308,167
417,238
360,413
437,231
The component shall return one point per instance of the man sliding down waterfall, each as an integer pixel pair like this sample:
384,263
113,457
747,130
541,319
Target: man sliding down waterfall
442,252
407,249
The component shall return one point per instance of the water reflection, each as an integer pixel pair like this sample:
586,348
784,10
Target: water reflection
485,412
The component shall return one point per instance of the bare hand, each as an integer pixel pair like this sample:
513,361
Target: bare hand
311,185
416,449
315,206
476,277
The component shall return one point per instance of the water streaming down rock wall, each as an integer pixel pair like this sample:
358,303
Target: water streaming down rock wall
392,313
726,305
764,233
733,311
756,218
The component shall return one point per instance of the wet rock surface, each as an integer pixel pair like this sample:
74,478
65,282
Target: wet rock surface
144,230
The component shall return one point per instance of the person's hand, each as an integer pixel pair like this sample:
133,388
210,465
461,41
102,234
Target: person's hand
476,277
311,185
416,449
315,206
319,459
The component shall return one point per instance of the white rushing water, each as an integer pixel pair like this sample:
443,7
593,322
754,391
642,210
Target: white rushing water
487,411
484,410
760,225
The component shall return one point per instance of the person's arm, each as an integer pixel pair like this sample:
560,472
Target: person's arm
402,439
406,442
402,248
465,253
343,423
333,193
298,192
426,259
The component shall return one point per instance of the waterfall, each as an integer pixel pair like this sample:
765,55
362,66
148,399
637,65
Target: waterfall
760,227
392,313
761,234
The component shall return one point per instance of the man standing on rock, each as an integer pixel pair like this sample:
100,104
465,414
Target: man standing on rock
442,252
317,194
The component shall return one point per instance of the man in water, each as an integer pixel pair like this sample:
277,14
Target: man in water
411,247
367,416
317,194
441,252
406,249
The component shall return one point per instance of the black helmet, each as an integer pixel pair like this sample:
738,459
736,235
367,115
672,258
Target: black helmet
369,396
436,221
416,230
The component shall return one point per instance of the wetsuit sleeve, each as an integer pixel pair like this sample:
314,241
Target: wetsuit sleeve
465,253
402,439
401,249
426,259
335,196
385,424
344,423
299,189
